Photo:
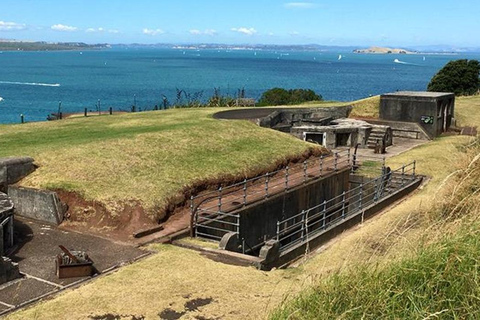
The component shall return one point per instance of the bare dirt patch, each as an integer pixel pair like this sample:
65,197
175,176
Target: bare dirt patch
93,217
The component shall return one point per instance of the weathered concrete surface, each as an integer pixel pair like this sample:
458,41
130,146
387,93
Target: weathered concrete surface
8,270
401,129
13,170
434,111
6,223
41,205
315,240
259,221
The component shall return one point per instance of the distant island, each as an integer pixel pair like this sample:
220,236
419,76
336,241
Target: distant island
383,50
13,45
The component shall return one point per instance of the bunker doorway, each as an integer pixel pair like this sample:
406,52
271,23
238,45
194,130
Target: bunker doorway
341,139
315,137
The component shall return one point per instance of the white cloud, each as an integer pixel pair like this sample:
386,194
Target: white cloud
113,31
61,27
208,32
153,32
299,5
91,30
11,26
247,31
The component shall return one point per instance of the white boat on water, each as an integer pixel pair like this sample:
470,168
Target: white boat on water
340,57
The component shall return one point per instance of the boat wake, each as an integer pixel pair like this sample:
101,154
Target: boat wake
403,62
32,83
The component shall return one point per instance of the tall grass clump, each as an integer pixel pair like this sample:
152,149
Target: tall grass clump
439,281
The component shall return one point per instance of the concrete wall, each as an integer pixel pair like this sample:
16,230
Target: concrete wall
8,270
317,240
41,205
259,221
6,223
13,170
414,107
402,129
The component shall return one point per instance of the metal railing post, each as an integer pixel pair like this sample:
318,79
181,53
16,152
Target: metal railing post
196,223
361,195
343,205
304,171
348,156
383,162
376,191
220,199
286,178
303,224
191,205
243,245
245,192
336,160
321,165
266,185
278,230
324,213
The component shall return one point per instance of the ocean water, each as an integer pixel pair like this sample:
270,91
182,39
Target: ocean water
33,83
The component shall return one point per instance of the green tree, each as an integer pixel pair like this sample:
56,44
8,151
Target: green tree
280,96
459,76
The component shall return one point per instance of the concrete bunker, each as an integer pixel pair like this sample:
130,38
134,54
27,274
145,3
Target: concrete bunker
433,111
277,228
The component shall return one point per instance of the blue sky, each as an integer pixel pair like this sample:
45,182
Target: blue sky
328,22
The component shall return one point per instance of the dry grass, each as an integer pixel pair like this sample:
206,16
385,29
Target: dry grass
165,279
366,108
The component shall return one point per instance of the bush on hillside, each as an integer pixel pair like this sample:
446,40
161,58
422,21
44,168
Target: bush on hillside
280,96
460,77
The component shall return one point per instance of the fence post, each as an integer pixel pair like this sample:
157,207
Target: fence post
376,191
220,199
304,171
286,178
245,191
266,185
383,162
336,160
343,205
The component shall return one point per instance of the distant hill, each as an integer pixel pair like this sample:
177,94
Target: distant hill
383,50
12,45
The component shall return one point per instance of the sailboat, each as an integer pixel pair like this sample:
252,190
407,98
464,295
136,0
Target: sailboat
339,57
423,58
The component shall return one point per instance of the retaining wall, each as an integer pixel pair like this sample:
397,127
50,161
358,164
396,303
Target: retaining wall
13,170
41,205
258,221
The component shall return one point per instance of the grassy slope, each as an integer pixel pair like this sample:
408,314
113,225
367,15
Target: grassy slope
423,265
165,279
147,156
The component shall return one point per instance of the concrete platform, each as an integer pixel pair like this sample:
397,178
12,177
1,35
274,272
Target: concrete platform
37,247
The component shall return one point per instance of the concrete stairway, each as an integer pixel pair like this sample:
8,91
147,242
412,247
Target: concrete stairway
377,133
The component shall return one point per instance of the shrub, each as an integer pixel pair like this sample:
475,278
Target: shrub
280,96
459,76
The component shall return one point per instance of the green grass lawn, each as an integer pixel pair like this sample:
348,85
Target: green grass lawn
148,157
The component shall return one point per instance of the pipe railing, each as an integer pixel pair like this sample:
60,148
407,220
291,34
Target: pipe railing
272,182
321,216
